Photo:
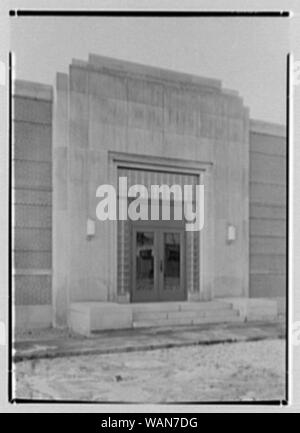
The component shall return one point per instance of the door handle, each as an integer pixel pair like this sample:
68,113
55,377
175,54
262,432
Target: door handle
161,265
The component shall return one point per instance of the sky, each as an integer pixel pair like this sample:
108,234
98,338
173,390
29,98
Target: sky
246,54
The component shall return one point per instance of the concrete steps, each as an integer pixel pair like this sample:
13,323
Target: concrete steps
188,313
88,317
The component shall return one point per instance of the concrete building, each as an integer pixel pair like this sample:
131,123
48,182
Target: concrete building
106,119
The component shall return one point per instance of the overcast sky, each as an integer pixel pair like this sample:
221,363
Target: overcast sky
247,54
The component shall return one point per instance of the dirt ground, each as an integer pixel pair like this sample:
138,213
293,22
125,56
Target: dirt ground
221,372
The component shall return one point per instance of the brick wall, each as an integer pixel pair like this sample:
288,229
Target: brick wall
267,210
32,192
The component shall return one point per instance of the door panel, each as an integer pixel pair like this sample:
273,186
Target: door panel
172,257
144,266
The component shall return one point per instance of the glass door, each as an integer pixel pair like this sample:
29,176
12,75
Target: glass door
171,287
145,257
158,265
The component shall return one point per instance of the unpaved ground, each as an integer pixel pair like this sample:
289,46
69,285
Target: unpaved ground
237,371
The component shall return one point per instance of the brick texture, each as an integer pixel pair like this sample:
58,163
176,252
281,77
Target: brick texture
32,197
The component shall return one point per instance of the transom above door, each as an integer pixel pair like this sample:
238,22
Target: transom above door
157,264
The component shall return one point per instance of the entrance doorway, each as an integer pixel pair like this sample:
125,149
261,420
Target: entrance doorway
158,264
152,265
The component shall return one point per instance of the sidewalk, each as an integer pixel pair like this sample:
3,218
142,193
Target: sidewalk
142,339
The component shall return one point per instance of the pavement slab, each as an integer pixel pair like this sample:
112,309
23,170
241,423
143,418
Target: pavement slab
54,345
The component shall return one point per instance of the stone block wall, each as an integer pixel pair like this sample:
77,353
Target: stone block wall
32,195
267,210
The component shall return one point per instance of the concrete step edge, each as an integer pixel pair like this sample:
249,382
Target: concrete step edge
195,321
145,316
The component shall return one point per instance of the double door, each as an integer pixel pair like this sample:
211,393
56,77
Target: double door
157,264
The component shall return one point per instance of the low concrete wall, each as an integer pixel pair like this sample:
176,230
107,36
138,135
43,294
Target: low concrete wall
265,309
32,316
85,317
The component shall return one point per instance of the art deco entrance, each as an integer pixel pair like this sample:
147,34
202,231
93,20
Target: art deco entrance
157,264
157,259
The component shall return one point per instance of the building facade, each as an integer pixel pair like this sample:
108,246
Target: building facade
108,119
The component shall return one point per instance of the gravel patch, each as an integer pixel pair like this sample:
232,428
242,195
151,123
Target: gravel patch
225,372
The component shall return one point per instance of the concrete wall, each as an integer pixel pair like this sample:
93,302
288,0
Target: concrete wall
109,111
267,210
32,190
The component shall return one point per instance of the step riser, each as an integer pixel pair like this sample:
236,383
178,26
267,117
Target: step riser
184,307
145,315
214,306
198,321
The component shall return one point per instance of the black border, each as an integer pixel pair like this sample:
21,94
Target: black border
288,101
143,13
10,306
